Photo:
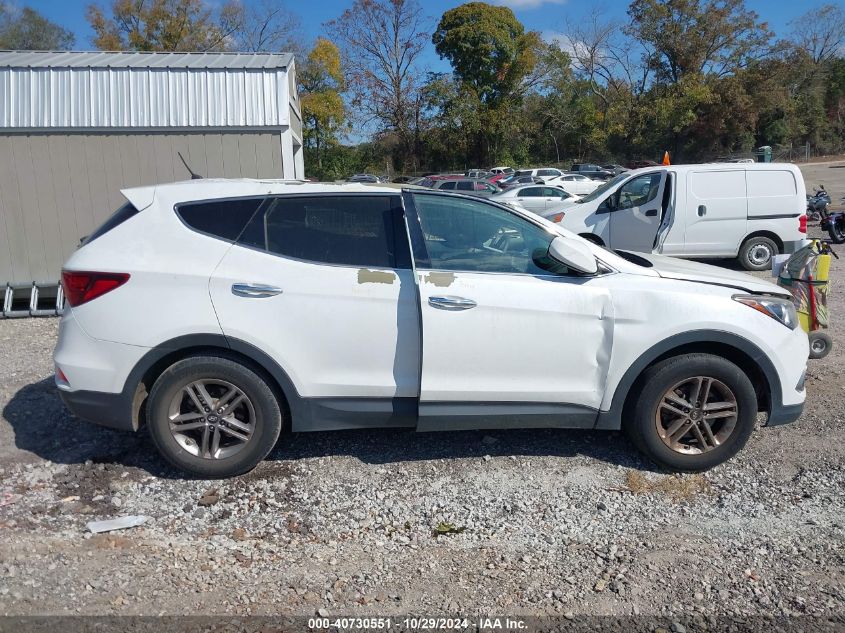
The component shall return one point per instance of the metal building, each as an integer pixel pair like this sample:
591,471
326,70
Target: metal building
77,127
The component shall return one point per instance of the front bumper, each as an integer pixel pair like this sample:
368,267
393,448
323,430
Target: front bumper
784,414
106,409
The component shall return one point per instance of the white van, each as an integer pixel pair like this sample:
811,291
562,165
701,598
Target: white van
748,211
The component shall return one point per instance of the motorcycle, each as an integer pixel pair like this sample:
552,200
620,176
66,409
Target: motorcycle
834,224
818,204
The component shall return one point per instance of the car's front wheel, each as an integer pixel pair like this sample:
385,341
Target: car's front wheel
693,412
213,416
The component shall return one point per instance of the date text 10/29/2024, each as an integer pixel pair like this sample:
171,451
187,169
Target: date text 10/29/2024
420,623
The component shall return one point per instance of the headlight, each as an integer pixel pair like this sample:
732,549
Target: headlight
781,310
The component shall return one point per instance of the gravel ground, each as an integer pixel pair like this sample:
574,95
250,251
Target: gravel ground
566,523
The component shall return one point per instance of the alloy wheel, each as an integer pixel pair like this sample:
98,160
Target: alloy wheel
696,415
211,418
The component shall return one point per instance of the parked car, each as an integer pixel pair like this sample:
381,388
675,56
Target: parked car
216,312
363,178
502,170
516,179
592,171
614,169
577,184
402,179
748,211
535,198
478,173
469,186
543,173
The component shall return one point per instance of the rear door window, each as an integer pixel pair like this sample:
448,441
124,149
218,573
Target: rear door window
464,185
340,230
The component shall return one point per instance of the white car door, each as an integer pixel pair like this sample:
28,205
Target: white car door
531,198
323,285
636,218
502,335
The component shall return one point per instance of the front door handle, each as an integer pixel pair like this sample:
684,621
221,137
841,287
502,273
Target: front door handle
702,210
451,303
255,291
651,213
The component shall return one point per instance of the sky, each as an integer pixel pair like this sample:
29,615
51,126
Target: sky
550,17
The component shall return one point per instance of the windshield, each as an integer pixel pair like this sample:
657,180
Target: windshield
610,184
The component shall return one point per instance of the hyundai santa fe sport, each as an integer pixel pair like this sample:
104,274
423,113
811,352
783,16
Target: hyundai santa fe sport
217,312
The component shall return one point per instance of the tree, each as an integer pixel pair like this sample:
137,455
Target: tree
381,42
26,29
163,25
265,26
488,48
323,112
710,37
820,33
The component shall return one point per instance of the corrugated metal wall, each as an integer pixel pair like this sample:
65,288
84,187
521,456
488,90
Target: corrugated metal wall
142,98
55,188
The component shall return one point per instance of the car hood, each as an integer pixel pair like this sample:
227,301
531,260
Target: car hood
685,270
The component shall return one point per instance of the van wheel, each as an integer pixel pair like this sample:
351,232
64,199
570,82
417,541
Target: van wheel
213,417
756,253
693,412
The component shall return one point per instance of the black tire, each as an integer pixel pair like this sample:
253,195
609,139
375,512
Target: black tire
820,344
641,424
836,230
265,405
756,253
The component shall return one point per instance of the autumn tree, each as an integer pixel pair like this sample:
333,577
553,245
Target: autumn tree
27,29
381,42
321,83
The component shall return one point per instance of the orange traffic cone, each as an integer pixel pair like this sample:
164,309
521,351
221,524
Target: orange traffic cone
666,158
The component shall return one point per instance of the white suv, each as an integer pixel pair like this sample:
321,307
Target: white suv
216,312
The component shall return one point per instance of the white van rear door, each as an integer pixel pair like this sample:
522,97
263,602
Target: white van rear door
717,212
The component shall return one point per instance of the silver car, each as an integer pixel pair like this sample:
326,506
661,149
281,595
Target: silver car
535,198
468,186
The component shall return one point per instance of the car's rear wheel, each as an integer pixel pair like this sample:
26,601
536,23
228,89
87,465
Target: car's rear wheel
693,412
756,253
213,416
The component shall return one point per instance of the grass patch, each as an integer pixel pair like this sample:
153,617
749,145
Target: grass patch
676,487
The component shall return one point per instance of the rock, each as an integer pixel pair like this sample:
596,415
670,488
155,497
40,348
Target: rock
677,627
209,498
323,612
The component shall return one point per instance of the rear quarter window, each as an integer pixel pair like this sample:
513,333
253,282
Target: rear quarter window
223,219
117,218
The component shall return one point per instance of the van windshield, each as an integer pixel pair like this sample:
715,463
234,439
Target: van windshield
610,184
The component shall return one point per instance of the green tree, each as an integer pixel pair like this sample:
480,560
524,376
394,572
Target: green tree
26,29
321,83
381,43
488,48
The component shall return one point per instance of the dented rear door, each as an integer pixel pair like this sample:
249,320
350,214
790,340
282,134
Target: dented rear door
504,343
323,284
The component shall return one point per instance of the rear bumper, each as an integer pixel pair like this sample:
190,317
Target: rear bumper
106,409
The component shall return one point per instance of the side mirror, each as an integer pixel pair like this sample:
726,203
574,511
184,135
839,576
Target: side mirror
573,254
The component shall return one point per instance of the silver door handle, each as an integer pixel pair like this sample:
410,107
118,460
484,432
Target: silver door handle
256,291
451,303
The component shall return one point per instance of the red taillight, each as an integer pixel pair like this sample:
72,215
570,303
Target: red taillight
557,217
802,223
81,287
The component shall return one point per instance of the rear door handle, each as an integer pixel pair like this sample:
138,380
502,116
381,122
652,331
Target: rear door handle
451,303
255,291
702,210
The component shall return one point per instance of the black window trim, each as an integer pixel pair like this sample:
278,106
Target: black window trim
417,238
